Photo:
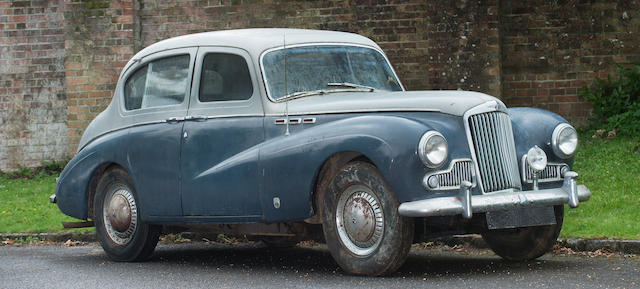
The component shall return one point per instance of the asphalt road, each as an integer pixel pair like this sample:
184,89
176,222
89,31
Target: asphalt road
202,265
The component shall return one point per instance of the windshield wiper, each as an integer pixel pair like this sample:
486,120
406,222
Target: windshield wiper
300,94
351,85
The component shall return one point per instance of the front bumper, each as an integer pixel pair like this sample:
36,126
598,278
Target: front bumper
466,204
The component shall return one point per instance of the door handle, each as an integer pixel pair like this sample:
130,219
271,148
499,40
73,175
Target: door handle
196,117
174,119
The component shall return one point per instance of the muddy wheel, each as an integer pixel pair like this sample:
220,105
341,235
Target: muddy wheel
123,236
521,244
362,227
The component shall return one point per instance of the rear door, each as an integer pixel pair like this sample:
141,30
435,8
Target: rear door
156,98
223,127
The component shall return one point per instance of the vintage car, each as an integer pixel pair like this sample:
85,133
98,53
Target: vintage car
291,134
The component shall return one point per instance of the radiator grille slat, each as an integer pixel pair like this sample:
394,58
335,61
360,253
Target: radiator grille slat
459,171
493,144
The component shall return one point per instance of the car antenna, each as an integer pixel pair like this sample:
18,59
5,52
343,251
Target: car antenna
286,89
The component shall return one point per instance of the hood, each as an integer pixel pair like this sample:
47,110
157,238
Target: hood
452,102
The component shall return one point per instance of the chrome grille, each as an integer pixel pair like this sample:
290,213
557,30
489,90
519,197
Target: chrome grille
495,151
551,173
460,170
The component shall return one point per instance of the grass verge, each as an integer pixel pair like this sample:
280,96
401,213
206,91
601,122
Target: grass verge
25,206
610,168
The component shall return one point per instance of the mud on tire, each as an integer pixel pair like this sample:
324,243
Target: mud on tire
362,227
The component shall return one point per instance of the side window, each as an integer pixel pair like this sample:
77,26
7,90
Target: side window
224,77
160,82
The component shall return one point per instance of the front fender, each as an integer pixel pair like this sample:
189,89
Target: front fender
534,126
291,163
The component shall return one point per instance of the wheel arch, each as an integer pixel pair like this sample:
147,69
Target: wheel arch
327,170
95,179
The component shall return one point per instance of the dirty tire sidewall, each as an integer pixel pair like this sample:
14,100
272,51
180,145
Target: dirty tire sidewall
522,244
145,237
397,234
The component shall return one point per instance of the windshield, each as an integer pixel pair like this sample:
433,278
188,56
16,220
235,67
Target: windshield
327,68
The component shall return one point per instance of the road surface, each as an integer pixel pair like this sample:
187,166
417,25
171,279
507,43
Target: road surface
251,265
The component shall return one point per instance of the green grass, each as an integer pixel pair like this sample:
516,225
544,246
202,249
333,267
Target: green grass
25,206
611,170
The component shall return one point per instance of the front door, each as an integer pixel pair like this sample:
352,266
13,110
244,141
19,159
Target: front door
220,138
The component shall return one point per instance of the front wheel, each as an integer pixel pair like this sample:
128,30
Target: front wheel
362,227
522,244
123,236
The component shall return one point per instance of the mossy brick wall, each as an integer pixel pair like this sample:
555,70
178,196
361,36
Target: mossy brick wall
550,49
529,53
432,44
32,78
99,41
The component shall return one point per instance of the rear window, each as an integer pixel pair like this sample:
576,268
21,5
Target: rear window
160,82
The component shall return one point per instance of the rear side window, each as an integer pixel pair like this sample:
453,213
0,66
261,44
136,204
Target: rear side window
224,77
160,82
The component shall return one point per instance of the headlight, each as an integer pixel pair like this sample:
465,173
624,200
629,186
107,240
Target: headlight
433,149
564,140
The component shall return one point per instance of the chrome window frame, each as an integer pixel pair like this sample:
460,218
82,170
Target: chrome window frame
190,51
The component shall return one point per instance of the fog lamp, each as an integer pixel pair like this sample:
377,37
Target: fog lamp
537,159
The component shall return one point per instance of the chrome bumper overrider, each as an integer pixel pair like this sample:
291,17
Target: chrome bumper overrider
466,204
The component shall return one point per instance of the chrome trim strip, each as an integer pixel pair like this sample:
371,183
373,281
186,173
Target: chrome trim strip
448,206
121,128
164,121
354,111
264,78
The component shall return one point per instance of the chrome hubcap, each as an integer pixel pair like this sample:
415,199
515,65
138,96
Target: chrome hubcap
120,216
359,220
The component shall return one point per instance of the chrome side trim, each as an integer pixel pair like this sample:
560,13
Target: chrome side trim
570,193
295,120
303,113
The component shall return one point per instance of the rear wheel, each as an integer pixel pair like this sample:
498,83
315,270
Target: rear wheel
123,236
362,227
521,244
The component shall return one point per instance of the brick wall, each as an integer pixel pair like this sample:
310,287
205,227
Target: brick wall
60,60
99,40
32,85
432,44
550,49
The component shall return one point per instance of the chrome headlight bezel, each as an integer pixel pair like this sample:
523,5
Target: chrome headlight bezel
557,143
426,149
